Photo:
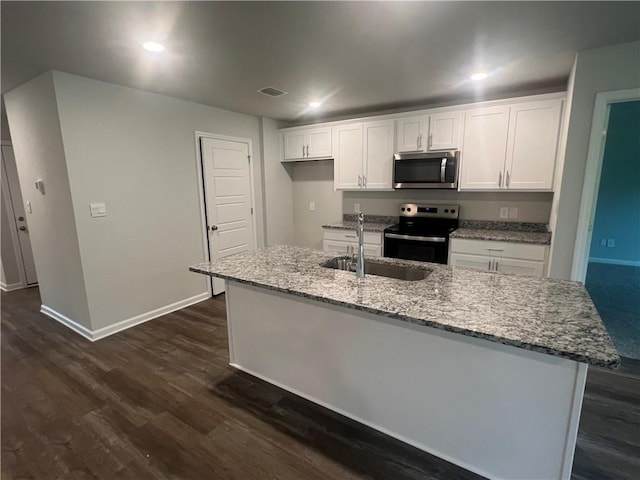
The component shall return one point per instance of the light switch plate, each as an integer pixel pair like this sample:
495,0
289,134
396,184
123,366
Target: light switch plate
356,207
98,209
603,242
513,212
504,212
29,209
611,242
312,206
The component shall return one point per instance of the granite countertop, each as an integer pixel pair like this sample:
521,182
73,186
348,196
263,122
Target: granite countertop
372,223
554,317
503,232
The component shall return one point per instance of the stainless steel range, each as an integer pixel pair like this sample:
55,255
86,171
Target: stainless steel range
423,233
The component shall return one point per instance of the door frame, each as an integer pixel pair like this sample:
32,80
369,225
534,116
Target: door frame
592,174
17,248
202,191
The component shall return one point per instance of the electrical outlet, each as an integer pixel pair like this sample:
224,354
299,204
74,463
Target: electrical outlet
504,212
312,206
513,212
611,242
603,242
356,207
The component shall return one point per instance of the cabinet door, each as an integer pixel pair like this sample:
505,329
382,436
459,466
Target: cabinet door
519,267
319,142
411,134
371,251
532,147
378,154
347,164
475,262
484,148
444,131
294,145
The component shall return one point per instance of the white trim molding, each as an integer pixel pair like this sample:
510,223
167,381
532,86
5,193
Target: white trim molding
103,332
593,170
67,322
612,261
10,287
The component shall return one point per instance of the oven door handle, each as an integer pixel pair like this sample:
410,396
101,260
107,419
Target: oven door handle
416,238
443,170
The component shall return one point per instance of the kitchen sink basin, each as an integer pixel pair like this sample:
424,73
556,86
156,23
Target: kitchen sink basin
380,269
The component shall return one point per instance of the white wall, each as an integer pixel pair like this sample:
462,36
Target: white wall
278,185
313,182
35,130
532,207
135,151
600,70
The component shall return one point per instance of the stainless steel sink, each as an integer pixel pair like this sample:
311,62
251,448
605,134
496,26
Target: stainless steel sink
371,267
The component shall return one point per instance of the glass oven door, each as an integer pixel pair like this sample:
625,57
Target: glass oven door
423,249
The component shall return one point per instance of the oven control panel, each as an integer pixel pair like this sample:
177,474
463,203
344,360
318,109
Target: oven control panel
429,211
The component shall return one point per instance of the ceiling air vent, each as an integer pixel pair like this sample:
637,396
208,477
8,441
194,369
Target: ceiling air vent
271,92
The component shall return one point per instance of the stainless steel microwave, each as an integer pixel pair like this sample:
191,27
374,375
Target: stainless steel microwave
426,170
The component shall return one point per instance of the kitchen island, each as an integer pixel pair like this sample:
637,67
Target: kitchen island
482,369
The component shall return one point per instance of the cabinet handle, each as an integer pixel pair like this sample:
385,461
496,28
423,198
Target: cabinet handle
507,182
496,265
430,142
500,179
364,181
359,181
307,151
419,141
489,264
495,249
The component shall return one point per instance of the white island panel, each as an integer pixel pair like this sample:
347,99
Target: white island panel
497,410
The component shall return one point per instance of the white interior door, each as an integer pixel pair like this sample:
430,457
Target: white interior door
25,258
227,181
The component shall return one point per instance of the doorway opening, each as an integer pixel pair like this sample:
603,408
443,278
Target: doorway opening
612,275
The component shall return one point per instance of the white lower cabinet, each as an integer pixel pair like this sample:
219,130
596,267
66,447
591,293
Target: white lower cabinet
339,241
504,257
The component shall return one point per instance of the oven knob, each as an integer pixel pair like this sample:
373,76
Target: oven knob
453,211
408,209
402,209
446,210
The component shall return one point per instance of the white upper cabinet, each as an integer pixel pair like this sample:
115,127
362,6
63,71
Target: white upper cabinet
444,131
378,154
363,155
307,143
532,145
484,147
347,164
411,134
511,147
425,133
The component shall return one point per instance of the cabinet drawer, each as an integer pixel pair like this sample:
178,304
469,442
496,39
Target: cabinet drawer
374,238
524,251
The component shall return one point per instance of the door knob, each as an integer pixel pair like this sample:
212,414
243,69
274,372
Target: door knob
21,219
22,228
214,228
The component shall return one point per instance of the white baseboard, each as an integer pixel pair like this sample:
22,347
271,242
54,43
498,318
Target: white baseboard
67,322
9,287
103,332
610,261
145,317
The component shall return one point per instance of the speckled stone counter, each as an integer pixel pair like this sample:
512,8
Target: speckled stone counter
349,225
503,232
549,316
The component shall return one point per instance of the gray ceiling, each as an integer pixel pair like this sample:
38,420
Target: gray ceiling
357,56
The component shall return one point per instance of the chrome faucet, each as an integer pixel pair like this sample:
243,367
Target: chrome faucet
360,234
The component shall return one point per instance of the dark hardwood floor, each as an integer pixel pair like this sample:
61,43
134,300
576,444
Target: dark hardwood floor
159,401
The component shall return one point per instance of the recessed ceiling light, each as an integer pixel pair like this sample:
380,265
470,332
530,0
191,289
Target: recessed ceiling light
315,104
153,46
479,76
